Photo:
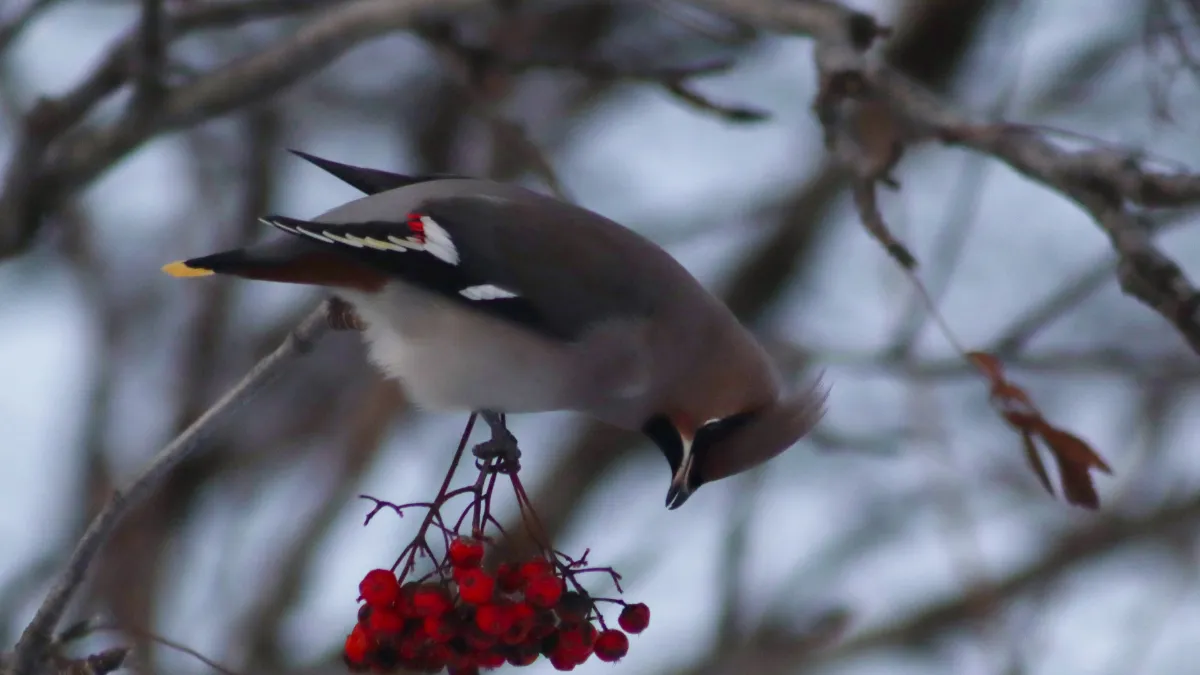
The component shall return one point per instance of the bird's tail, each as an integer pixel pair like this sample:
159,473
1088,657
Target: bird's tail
286,261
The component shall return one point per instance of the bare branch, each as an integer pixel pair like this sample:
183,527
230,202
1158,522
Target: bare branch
44,168
1104,181
152,57
32,646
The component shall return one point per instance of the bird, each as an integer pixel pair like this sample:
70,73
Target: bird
488,297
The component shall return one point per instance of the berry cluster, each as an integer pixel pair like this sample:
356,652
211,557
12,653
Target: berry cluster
474,619
466,614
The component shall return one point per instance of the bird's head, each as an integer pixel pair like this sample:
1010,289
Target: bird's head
725,446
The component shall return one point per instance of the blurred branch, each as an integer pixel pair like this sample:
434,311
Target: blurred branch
1102,361
152,55
49,164
368,431
871,112
966,195
1070,294
731,574
36,639
128,575
100,663
918,628
14,22
929,46
1083,547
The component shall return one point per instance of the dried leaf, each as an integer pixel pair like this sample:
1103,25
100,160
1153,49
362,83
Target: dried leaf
989,365
1075,459
1035,461
1073,448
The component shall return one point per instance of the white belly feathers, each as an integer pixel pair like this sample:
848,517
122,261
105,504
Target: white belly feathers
449,358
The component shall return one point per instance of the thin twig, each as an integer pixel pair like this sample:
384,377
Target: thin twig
166,642
39,633
152,57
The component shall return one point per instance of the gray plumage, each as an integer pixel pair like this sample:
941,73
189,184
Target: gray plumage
479,295
646,331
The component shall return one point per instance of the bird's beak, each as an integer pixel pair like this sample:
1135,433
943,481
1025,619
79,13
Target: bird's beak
679,491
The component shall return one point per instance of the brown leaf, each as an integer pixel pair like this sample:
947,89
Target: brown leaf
1012,395
1023,421
1075,459
1035,461
989,365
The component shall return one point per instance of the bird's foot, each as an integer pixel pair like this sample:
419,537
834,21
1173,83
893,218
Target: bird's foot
500,453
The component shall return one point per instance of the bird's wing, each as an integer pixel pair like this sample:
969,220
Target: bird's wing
545,265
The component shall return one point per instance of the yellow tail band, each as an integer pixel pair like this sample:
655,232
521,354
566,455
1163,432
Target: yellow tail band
180,268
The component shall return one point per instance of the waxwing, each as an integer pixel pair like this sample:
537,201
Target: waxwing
488,297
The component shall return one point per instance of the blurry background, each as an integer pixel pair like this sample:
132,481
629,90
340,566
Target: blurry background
908,536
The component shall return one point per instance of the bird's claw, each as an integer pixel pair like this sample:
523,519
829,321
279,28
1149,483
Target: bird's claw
498,455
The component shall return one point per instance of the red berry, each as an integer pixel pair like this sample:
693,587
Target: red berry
439,628
431,600
634,618
562,661
466,552
410,649
490,659
523,655
573,607
384,657
460,660
463,670
509,578
436,658
358,644
590,633
493,619
475,586
544,624
379,588
478,640
577,641
611,646
543,591
522,624
566,654
538,567
385,623
364,613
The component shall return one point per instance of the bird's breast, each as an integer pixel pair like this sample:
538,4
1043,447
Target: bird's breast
451,358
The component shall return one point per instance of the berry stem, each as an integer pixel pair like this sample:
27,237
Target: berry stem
532,523
443,494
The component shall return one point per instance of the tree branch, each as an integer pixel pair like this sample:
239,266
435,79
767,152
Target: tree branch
45,168
39,634
1107,182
